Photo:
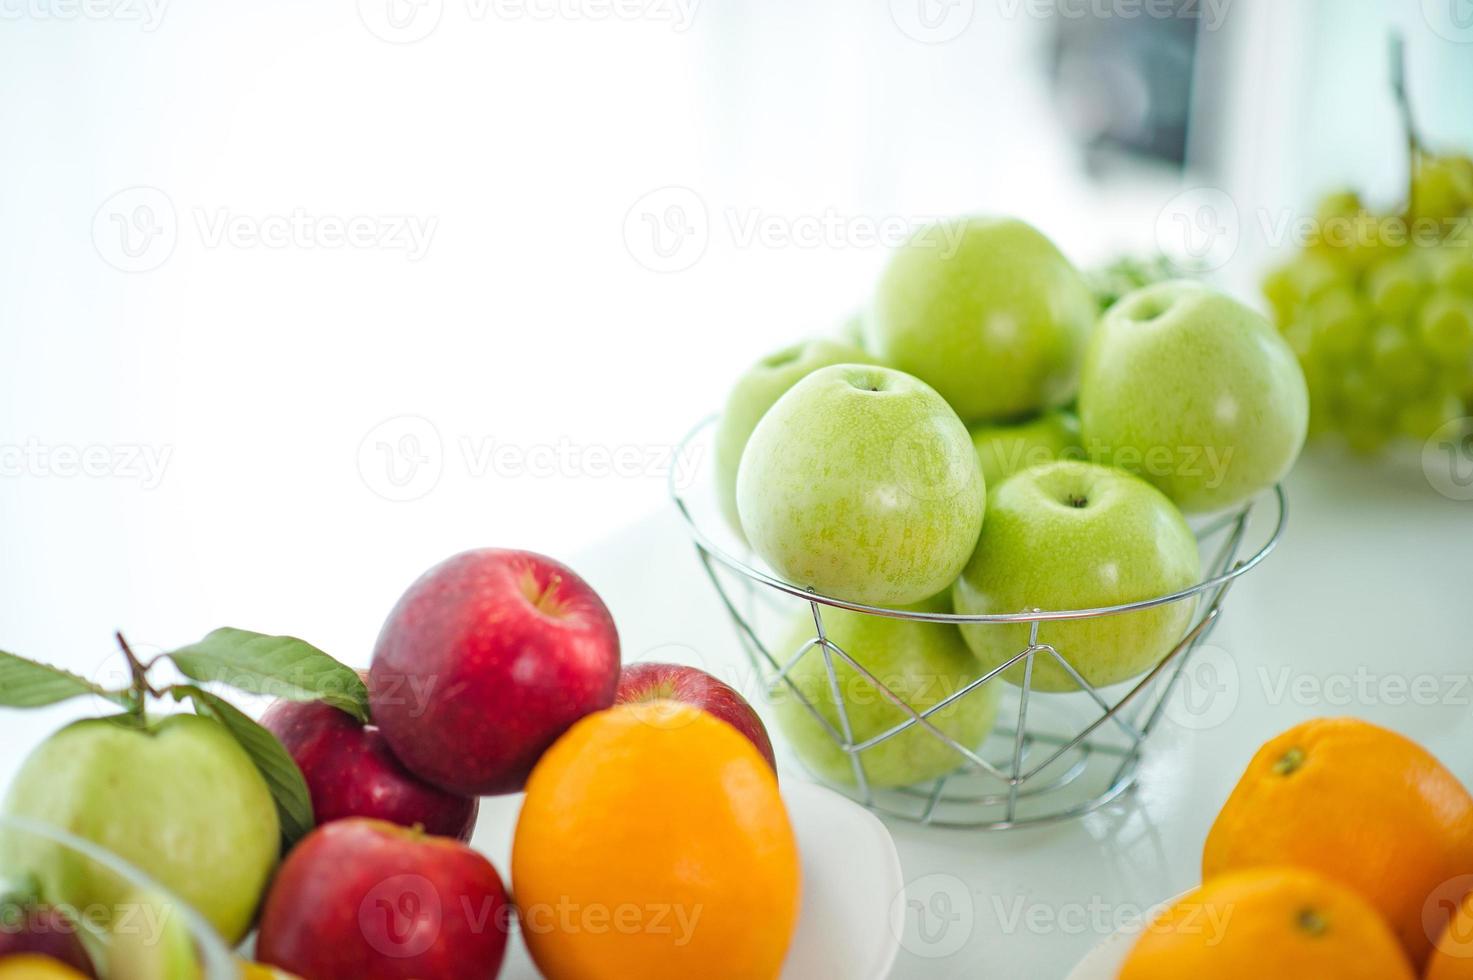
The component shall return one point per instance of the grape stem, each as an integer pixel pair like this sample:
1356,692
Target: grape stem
1404,109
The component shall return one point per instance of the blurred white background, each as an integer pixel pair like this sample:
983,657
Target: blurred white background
300,298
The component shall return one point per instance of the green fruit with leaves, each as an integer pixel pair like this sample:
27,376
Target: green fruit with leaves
177,798
200,803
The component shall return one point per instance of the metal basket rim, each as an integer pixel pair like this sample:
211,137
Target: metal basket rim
1238,518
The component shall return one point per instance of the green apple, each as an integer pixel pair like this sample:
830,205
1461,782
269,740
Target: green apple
179,800
151,940
851,330
922,663
1007,448
1076,535
988,312
755,392
1195,392
861,483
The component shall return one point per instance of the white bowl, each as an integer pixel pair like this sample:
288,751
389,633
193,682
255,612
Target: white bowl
852,915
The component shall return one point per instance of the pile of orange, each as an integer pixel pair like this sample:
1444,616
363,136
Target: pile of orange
653,843
1346,850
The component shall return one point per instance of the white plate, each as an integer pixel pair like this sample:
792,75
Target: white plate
1105,960
852,915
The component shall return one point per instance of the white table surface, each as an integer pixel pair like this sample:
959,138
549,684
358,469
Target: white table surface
1364,609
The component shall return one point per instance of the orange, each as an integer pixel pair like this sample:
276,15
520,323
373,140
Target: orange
1453,957
1360,804
32,966
1270,923
653,843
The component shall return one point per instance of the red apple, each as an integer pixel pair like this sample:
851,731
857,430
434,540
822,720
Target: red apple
363,899
484,662
44,931
350,772
677,682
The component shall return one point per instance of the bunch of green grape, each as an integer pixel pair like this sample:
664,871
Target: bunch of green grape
1128,273
1379,310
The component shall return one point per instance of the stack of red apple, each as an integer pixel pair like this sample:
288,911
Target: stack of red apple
484,664
979,443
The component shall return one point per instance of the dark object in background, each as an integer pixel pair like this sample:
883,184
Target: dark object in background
1124,84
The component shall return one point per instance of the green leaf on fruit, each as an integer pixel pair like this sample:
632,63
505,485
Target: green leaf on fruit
282,666
288,787
28,684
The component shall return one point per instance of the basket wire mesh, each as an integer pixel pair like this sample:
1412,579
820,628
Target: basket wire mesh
1058,756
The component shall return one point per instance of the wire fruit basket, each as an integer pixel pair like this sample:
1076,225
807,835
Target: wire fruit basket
1051,756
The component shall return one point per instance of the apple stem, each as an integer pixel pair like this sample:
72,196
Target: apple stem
139,672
